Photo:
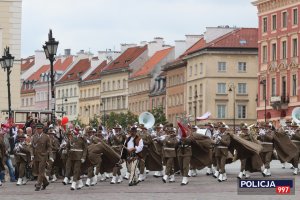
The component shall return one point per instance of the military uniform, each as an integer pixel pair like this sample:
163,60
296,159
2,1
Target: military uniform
22,157
116,141
40,153
266,138
158,146
77,147
169,153
51,170
184,154
221,151
147,140
2,154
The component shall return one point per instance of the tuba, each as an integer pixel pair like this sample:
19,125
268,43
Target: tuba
296,115
147,119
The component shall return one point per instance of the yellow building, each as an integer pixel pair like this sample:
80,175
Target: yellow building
10,35
89,100
114,79
222,77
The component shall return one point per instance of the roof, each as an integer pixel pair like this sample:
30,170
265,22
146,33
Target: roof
152,62
77,71
126,58
96,73
238,38
58,66
26,63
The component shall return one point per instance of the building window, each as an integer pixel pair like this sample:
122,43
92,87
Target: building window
113,85
124,84
71,110
31,101
67,92
284,19
295,47
71,92
23,102
242,67
274,22
221,88
201,68
242,88
264,54
58,94
75,92
295,16
283,81
294,88
89,93
196,69
221,66
221,111
190,92
265,24
103,87
108,86
241,111
283,49
191,70
153,103
273,87
274,52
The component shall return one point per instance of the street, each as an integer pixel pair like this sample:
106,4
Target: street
200,187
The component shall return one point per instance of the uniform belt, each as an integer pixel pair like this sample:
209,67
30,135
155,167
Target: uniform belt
185,146
267,143
115,146
169,148
295,141
76,150
21,154
222,147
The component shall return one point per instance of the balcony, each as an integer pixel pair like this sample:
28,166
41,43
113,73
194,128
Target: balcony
280,102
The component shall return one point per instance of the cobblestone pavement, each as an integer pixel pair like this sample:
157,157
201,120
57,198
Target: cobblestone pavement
200,187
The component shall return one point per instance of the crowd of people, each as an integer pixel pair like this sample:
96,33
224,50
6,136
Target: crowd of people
45,153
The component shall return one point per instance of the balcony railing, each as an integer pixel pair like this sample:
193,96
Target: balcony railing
281,103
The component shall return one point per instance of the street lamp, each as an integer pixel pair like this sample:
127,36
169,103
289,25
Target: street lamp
7,61
50,49
195,105
232,88
62,105
264,83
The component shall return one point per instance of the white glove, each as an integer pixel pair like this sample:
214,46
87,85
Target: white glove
262,132
51,159
32,157
64,151
82,160
219,137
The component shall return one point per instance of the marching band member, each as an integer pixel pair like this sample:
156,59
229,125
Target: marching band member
210,132
134,146
55,147
116,141
294,135
266,137
77,147
222,141
158,146
22,157
170,142
41,149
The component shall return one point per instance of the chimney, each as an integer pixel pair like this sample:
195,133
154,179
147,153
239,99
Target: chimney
161,83
180,47
159,40
67,52
125,46
192,39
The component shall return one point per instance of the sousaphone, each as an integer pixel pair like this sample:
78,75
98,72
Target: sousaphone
147,119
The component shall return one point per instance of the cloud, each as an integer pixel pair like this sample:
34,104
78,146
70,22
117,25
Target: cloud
100,24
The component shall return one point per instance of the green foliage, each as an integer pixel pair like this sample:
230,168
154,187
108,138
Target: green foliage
77,122
159,115
124,119
94,122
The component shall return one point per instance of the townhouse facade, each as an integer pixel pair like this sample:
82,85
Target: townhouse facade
143,81
222,77
10,36
278,59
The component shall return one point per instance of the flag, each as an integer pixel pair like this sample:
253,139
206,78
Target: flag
182,130
204,116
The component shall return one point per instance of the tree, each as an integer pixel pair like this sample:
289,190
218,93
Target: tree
94,122
124,119
159,115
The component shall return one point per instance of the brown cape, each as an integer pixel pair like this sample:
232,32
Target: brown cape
201,151
153,160
109,158
285,148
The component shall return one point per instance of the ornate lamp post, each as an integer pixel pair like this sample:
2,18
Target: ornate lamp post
50,49
62,105
232,88
7,61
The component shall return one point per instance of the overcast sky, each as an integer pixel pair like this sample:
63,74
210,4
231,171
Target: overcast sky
103,24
